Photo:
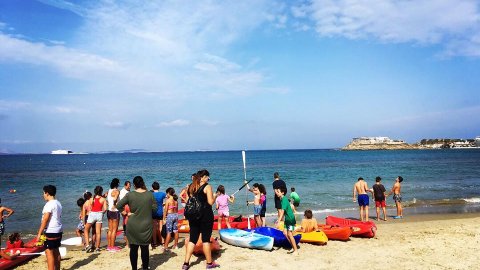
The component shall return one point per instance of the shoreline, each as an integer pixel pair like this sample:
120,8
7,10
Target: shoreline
320,215
419,241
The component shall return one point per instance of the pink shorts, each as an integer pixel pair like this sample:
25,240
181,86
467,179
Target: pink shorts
223,213
380,203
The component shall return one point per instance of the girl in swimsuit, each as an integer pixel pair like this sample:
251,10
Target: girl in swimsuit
170,217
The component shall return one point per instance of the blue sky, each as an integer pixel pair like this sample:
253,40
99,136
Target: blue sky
216,75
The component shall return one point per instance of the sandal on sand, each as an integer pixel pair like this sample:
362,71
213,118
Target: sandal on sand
185,266
212,265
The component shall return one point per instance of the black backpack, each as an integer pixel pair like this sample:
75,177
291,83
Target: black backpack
193,207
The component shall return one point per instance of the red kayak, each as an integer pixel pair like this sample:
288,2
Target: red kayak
336,233
235,222
360,229
198,250
29,248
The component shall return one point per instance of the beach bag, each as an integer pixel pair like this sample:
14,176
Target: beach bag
193,208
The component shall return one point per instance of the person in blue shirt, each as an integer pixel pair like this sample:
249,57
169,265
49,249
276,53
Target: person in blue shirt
158,215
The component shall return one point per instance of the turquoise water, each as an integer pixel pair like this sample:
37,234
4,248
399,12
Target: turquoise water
323,178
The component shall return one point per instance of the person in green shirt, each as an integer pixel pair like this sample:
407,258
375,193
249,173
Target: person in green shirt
294,197
287,214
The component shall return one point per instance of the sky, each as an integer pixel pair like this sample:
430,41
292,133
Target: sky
104,75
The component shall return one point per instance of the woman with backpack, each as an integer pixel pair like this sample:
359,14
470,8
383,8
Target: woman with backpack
201,218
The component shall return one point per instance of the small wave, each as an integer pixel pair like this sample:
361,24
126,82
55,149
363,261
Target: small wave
472,200
325,211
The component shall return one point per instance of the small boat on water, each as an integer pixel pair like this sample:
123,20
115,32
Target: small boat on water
61,152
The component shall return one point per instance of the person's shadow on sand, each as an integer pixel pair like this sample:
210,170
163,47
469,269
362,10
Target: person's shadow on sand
83,262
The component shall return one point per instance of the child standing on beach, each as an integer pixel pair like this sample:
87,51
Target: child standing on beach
295,199
263,201
221,204
81,225
287,214
95,219
3,217
257,207
170,217
51,226
397,196
379,195
309,223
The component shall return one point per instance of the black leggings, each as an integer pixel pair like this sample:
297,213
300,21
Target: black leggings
134,256
200,227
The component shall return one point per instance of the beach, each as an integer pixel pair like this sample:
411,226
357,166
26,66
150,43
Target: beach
426,241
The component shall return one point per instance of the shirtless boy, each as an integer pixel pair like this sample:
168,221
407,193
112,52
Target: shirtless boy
397,196
2,217
361,188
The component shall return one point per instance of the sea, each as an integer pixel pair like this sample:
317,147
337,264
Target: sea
434,180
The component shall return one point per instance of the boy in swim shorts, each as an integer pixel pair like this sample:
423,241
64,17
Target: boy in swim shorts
379,195
397,196
361,188
2,217
289,222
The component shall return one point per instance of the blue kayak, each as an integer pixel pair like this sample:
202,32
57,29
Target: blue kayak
279,239
241,238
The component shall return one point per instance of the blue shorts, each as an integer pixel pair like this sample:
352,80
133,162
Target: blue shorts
257,209
363,200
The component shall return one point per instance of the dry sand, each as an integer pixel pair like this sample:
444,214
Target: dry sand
441,241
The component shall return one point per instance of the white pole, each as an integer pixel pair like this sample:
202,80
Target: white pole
246,191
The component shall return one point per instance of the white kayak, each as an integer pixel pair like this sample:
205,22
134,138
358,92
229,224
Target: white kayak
240,238
73,241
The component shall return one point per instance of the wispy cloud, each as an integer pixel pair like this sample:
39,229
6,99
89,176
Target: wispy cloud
8,105
174,123
70,62
117,124
453,23
66,110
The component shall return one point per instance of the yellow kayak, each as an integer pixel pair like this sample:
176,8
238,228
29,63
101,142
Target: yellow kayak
318,238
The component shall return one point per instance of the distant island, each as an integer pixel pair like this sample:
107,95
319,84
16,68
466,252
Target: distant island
385,143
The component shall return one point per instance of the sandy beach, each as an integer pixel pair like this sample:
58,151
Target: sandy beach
439,241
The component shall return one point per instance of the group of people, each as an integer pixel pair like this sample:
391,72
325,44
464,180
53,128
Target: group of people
146,213
360,190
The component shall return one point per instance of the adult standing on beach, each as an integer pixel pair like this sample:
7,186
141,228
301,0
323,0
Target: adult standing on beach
204,194
397,196
123,192
361,188
158,215
278,184
52,227
113,216
139,226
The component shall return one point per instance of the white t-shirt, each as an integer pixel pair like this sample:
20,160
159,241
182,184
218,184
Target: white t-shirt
55,224
123,192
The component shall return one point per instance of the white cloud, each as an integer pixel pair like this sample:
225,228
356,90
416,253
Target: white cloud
70,62
452,23
174,123
210,123
7,105
66,110
117,124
